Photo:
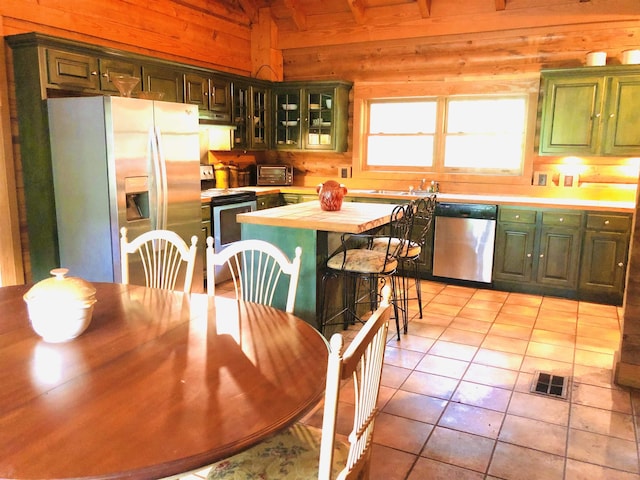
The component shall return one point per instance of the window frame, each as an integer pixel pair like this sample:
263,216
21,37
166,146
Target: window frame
364,93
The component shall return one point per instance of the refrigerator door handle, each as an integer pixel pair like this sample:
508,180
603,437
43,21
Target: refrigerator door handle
158,212
164,183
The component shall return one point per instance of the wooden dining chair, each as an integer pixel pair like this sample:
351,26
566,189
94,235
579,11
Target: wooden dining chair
303,451
257,268
164,255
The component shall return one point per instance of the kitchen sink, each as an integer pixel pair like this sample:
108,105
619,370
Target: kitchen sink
391,192
382,192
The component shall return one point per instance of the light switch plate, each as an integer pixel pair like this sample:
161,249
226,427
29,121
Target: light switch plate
344,172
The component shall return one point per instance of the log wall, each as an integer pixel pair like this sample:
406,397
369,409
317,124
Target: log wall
393,46
506,56
197,32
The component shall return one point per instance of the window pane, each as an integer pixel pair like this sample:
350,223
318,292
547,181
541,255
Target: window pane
485,134
400,151
490,115
496,152
402,117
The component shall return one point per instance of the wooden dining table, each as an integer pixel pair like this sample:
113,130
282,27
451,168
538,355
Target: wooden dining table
159,384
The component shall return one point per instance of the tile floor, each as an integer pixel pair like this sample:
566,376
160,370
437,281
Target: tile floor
456,404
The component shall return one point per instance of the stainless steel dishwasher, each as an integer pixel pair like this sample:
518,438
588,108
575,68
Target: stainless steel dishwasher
464,239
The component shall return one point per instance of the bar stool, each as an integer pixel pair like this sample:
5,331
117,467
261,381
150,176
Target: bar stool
363,269
411,258
408,257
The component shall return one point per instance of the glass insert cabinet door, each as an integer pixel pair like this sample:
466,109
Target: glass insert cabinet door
319,121
240,112
260,108
250,110
288,125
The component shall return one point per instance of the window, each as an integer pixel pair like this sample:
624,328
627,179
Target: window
401,133
483,134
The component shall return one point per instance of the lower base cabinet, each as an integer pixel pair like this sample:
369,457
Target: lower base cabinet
269,201
572,254
603,266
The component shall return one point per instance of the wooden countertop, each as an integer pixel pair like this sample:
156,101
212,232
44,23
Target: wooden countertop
501,200
351,218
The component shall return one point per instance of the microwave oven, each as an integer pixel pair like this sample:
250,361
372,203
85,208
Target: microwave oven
275,175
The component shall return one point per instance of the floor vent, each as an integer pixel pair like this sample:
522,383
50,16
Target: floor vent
548,384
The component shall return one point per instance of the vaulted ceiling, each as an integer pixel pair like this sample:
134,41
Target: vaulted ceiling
308,23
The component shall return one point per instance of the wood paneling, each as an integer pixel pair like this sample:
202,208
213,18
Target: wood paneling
197,32
444,65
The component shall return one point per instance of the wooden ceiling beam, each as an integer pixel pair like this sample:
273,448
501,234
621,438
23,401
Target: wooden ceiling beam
250,8
425,8
358,10
297,14
501,5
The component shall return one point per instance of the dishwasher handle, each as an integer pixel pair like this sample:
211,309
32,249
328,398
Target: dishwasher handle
467,210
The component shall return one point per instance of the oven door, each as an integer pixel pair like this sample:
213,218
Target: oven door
227,230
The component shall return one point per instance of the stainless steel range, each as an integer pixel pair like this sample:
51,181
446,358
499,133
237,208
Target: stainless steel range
226,203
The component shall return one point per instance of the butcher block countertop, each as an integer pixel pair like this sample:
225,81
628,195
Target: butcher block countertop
351,218
501,200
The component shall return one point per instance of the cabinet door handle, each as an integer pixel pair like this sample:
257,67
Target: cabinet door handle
94,73
517,217
105,75
597,115
621,264
528,255
611,115
542,255
606,222
561,219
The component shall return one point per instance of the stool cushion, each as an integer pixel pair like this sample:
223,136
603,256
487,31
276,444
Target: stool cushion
409,250
361,260
288,455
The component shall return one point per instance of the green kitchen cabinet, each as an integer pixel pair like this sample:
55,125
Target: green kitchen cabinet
603,265
559,249
270,200
167,80
538,250
212,94
85,73
514,248
311,116
590,111
250,115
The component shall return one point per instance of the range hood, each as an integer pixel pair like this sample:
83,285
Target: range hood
220,137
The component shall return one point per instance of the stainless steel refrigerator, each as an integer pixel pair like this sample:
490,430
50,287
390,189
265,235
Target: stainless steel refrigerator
122,162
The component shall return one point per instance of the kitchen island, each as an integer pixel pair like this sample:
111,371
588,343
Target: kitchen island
318,233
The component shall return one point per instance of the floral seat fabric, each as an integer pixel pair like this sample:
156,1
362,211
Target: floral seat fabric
290,455
362,261
409,250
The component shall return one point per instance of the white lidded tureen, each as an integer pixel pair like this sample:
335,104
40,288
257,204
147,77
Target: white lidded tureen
60,307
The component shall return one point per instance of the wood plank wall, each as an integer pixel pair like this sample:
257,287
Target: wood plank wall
503,55
217,34
196,32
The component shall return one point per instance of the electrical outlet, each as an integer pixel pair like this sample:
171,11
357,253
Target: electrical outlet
344,172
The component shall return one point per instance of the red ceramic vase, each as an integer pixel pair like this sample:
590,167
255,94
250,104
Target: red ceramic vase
330,194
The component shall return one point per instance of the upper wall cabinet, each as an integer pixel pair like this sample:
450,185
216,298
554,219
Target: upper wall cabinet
212,94
68,70
166,80
250,114
311,116
591,111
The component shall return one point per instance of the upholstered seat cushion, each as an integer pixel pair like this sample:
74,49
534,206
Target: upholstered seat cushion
290,455
361,260
409,250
